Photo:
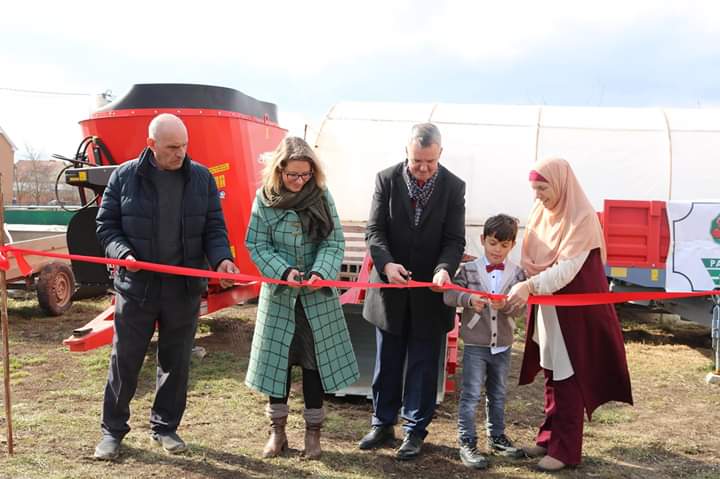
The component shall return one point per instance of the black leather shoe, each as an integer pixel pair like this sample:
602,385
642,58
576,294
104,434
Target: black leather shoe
471,457
378,436
410,447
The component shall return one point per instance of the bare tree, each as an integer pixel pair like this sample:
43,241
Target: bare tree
35,171
34,177
23,185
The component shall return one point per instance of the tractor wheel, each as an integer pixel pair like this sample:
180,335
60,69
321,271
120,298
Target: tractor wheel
55,288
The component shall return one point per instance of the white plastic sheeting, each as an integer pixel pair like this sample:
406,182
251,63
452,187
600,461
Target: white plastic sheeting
695,154
617,153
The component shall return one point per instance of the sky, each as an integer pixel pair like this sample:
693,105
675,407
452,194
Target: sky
307,56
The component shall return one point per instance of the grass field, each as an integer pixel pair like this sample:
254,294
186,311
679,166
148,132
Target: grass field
673,430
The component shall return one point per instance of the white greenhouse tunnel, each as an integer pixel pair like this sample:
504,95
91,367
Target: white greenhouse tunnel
616,153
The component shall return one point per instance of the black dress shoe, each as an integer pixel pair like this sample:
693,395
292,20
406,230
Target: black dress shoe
378,436
410,447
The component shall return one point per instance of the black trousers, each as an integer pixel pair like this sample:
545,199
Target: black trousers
176,315
312,389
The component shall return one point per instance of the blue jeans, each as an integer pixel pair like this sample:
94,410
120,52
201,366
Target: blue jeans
492,370
416,394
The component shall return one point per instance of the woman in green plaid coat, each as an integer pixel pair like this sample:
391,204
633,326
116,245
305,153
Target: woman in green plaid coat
295,234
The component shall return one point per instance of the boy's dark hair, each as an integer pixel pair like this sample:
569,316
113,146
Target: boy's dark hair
502,227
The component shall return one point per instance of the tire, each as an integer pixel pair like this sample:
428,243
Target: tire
55,288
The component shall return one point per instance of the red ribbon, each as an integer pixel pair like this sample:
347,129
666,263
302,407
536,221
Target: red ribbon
581,299
4,262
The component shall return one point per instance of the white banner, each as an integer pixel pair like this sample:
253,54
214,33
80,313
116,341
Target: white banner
693,262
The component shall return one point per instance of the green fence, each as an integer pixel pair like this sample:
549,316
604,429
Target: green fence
15,215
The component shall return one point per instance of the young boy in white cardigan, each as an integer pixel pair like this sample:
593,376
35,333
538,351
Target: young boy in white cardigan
487,329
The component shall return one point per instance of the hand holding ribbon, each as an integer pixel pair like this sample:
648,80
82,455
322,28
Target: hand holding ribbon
227,266
440,279
310,283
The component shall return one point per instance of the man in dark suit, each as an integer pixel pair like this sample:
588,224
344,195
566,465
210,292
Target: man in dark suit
416,227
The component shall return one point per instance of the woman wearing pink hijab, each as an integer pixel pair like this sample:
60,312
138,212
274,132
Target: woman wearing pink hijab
580,348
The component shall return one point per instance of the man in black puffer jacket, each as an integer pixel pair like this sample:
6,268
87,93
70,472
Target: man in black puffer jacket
163,208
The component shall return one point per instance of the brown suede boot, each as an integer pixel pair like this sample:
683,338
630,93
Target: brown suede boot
277,443
313,424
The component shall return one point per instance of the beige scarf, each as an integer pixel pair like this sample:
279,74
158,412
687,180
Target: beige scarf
570,228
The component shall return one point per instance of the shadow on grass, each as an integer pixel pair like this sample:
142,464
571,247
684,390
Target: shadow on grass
436,460
661,336
232,335
641,326
212,463
216,366
648,462
28,323
26,310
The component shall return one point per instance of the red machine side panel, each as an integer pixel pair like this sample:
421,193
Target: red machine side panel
636,233
228,143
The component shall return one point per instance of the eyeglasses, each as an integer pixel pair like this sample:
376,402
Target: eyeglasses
295,176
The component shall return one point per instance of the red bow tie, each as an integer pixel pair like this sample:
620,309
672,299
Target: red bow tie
492,267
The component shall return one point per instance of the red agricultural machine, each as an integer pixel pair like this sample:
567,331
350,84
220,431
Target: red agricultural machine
228,132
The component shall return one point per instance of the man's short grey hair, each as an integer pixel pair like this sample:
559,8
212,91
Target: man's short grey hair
163,118
425,135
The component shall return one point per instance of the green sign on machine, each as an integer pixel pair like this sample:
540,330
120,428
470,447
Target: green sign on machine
712,265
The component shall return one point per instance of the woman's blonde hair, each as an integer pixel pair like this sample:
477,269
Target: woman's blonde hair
291,148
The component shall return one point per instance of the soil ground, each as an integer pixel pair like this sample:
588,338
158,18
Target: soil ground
672,431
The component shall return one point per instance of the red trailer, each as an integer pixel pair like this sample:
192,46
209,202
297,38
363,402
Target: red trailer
637,234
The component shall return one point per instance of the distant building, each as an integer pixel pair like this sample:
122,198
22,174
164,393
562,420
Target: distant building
35,183
7,158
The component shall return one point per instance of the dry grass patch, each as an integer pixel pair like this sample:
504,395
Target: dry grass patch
58,395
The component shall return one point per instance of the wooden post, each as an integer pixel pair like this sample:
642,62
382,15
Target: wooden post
4,325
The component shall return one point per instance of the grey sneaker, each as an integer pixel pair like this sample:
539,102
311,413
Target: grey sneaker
502,446
471,457
108,448
170,441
